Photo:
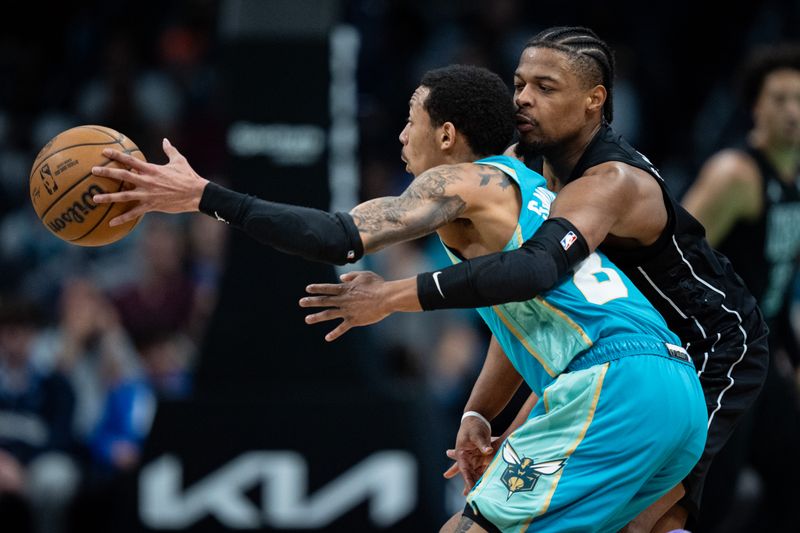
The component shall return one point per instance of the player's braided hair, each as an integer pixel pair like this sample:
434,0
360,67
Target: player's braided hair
762,62
593,57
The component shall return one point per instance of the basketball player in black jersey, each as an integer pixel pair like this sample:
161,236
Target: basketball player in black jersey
609,196
748,199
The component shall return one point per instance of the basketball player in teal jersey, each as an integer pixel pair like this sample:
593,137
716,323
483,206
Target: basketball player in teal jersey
603,443
566,344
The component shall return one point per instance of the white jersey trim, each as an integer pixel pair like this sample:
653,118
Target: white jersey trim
682,314
738,317
731,380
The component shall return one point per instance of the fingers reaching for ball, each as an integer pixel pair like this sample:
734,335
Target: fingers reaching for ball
128,216
127,160
171,188
123,174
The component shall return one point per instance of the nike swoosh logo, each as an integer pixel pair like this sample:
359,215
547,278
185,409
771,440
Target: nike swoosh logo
436,281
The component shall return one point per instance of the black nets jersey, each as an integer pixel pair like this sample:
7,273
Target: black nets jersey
694,287
765,251
703,301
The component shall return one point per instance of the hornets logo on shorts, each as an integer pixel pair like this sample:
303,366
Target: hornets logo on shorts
521,474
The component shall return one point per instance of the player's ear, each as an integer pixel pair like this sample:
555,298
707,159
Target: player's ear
447,136
596,98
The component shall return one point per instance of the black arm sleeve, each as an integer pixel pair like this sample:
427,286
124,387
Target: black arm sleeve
515,276
309,233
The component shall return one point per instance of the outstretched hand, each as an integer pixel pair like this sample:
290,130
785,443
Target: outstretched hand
357,300
171,188
475,449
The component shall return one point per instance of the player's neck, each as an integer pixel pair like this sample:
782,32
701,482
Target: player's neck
458,156
560,161
784,158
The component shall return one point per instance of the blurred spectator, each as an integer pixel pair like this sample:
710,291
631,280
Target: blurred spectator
748,199
163,296
207,241
36,410
166,358
125,422
89,346
488,34
115,446
110,97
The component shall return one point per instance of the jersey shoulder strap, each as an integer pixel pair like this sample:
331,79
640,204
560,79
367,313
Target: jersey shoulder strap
608,145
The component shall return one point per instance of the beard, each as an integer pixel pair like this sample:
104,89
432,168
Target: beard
528,150
532,149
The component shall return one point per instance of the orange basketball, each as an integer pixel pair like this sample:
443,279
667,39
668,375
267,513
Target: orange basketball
62,185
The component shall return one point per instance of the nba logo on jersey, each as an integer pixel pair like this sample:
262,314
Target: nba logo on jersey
568,239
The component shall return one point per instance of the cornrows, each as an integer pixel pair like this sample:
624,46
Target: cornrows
593,56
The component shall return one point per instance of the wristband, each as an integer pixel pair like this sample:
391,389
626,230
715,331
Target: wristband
477,415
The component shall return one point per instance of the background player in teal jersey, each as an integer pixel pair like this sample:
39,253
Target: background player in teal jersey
602,444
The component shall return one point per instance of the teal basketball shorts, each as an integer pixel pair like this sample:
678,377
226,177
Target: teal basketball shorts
605,440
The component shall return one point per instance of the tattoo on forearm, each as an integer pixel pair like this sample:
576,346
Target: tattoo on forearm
464,524
424,206
488,173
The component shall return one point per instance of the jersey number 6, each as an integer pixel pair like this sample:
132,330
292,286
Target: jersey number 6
599,284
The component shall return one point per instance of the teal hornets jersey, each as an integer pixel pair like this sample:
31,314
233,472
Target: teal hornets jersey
596,304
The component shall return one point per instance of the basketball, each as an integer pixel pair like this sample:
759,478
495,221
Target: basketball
62,185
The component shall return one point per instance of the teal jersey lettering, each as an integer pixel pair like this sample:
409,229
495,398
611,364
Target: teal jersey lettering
596,303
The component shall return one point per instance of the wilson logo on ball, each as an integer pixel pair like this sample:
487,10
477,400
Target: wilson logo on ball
77,211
